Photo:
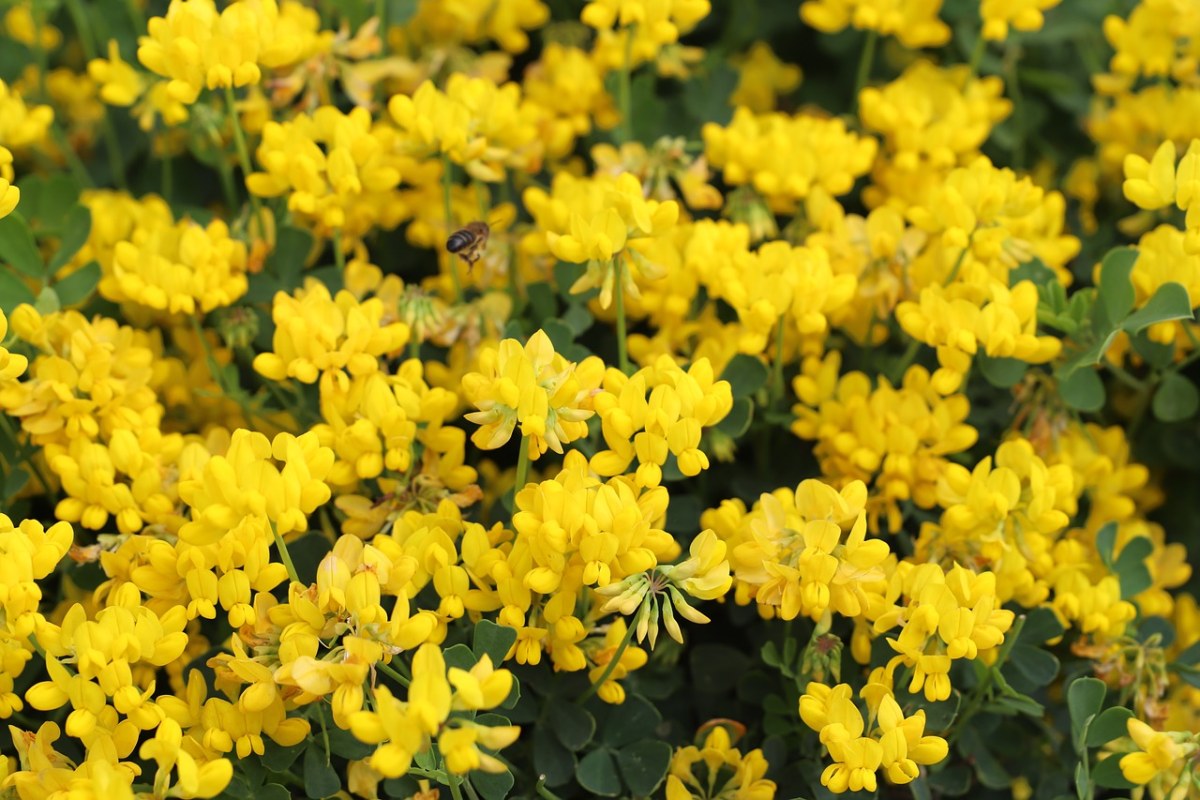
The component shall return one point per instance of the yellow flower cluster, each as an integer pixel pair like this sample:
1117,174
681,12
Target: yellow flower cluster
784,157
532,386
197,47
898,439
658,411
267,463
338,171
893,742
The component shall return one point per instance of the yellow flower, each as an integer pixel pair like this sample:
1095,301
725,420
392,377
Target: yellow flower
331,339
1157,752
337,170
120,83
22,126
1151,185
717,770
785,157
914,22
196,47
534,386
1024,15
761,78
483,127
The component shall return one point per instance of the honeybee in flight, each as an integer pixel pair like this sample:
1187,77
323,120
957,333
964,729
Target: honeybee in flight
468,242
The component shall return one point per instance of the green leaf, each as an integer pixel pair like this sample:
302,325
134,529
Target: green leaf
47,301
717,668
1175,399
551,759
1010,705
644,765
1107,773
1116,288
738,420
273,791
293,246
77,287
1041,626
320,778
1033,270
14,482
492,785
746,374
542,302
400,11
953,781
1131,569
344,743
578,318
278,759
1082,390
990,771
630,721
13,291
920,788
1085,696
17,246
1170,302
1108,725
597,773
561,335
76,228
1155,354
47,200
459,656
1003,373
1037,666
1106,542
493,640
572,725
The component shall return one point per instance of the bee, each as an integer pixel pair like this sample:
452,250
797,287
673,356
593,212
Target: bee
468,242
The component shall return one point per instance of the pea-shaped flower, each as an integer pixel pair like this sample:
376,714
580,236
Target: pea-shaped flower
550,397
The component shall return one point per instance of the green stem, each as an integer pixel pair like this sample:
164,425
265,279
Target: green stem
381,15
483,198
239,139
448,209
386,669
431,774
227,185
1124,377
1013,82
543,792
522,467
91,49
324,728
135,16
73,161
6,426
168,176
612,664
284,554
909,356
985,684
622,345
958,262
40,55
625,88
777,366
453,782
865,59
977,54
339,252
